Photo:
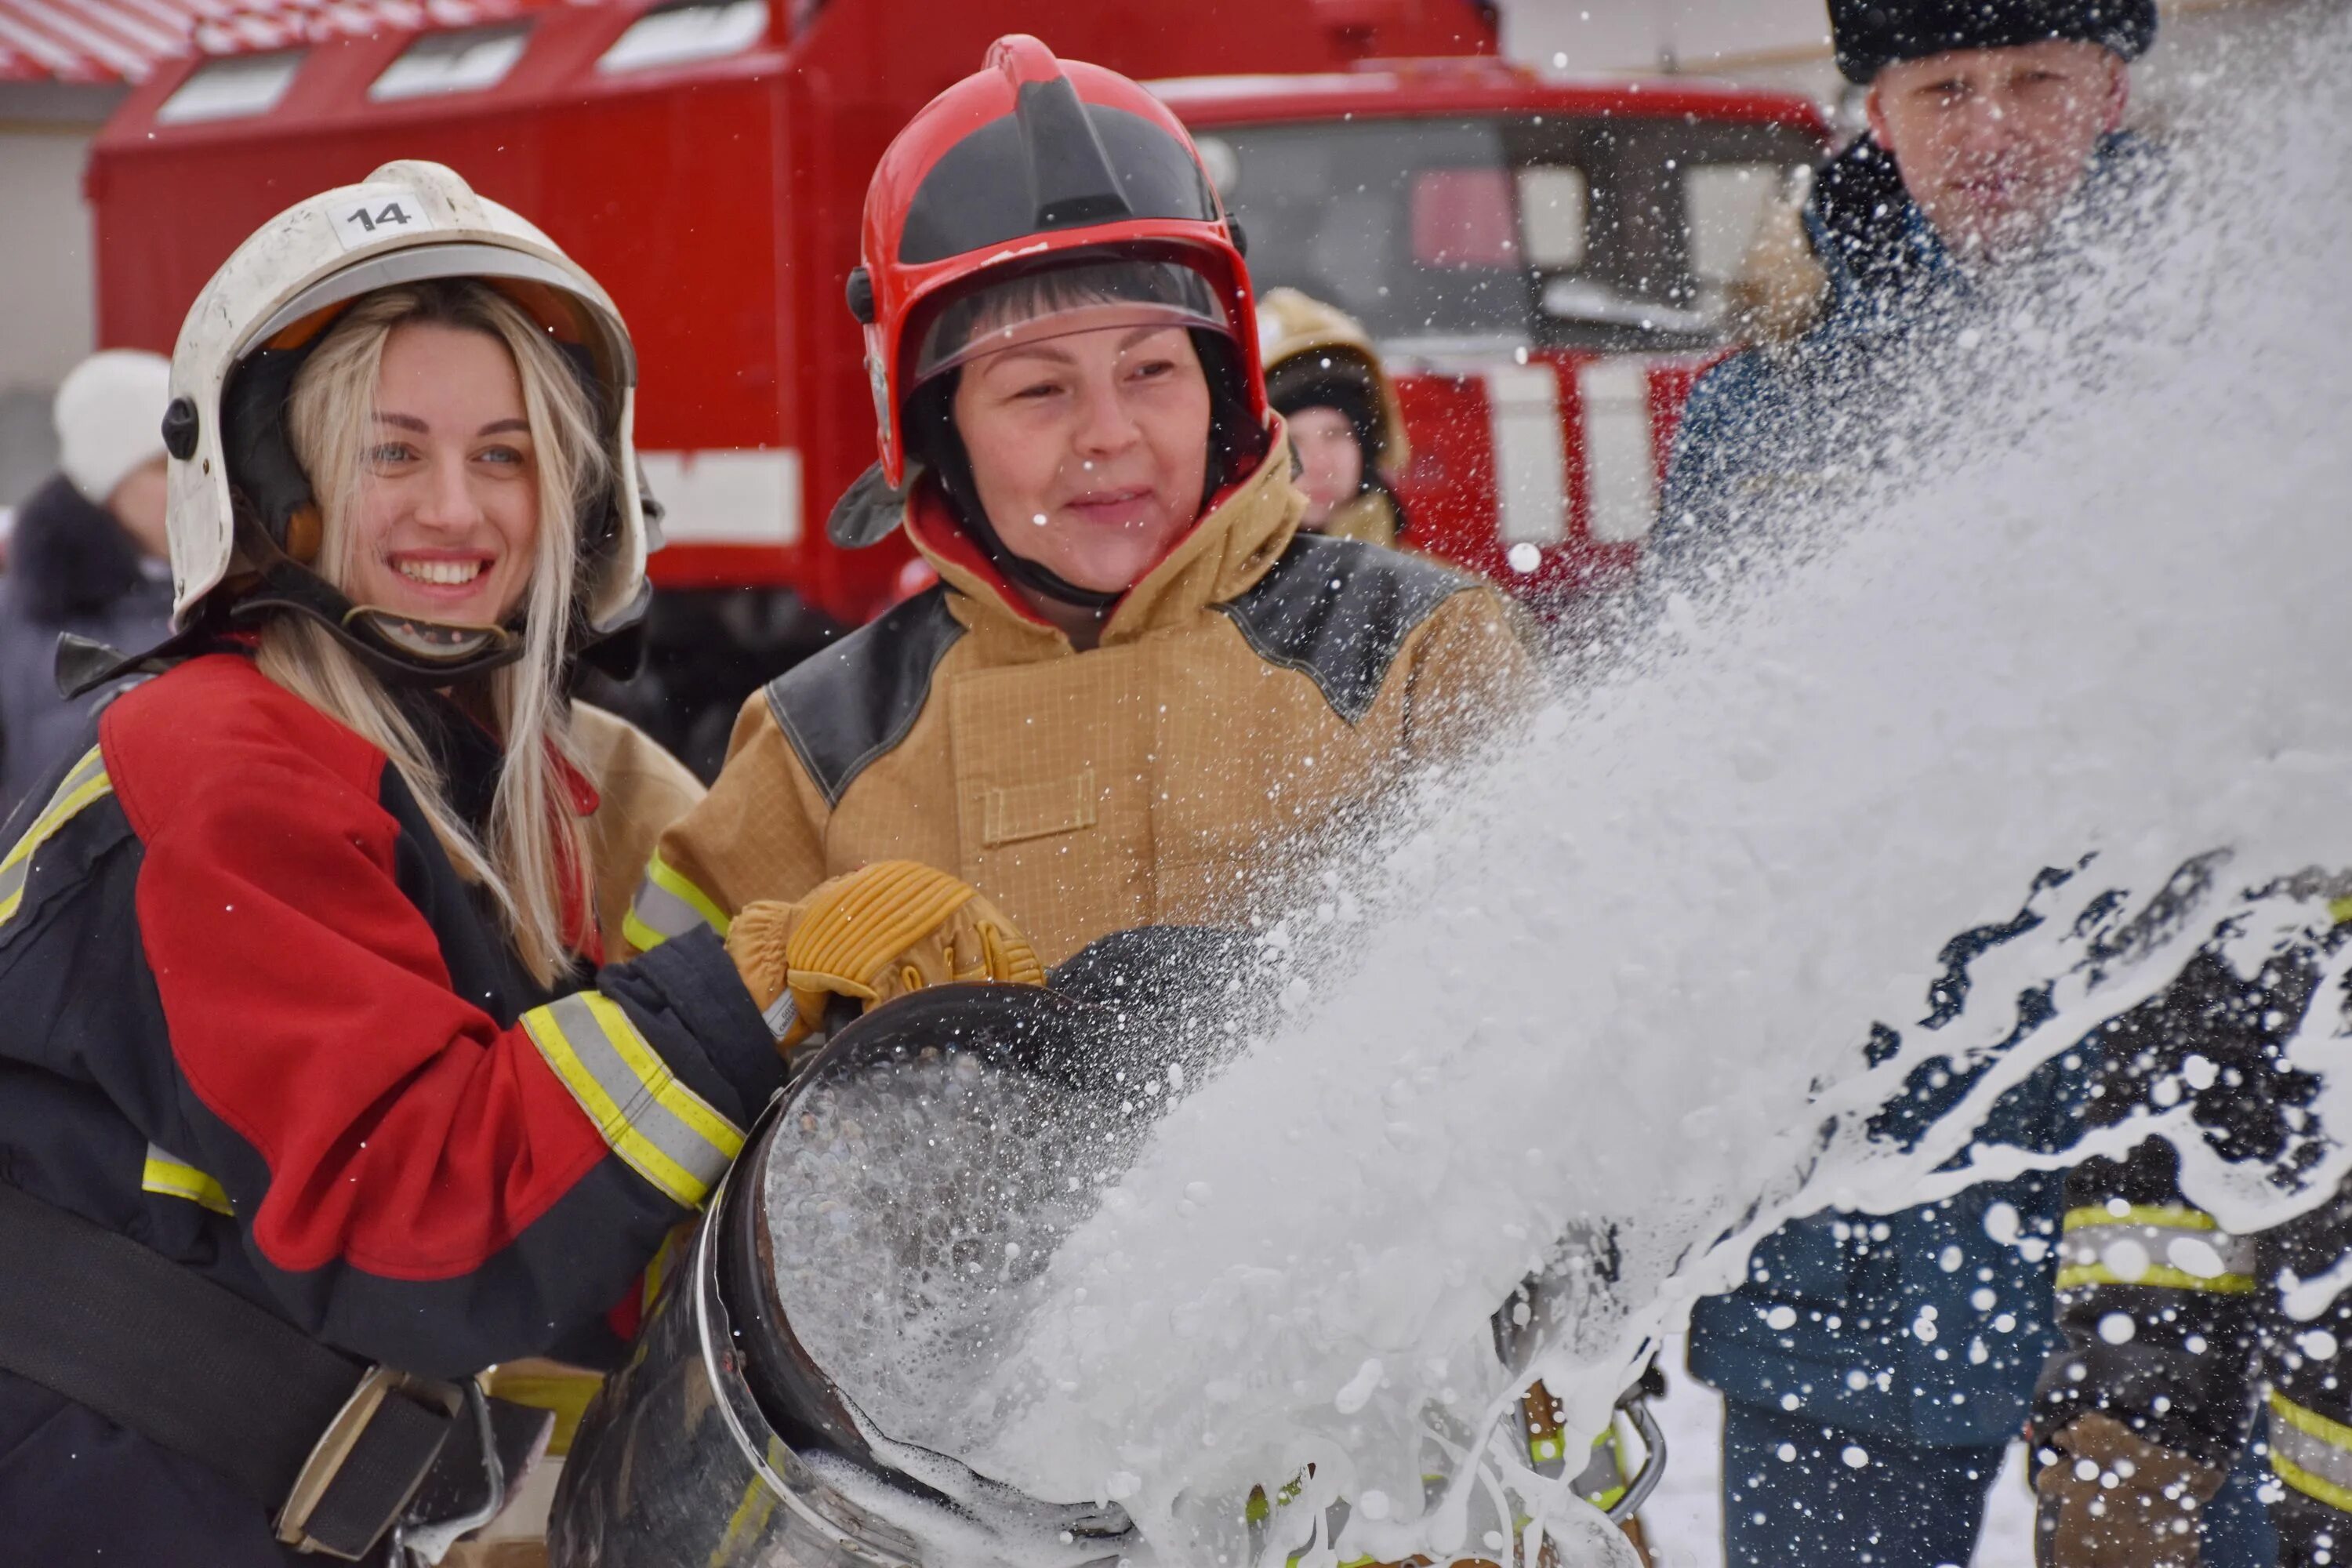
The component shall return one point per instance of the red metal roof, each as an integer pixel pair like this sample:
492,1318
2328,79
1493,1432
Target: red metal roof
122,40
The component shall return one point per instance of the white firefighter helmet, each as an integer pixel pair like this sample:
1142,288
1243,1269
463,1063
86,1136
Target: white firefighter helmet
406,223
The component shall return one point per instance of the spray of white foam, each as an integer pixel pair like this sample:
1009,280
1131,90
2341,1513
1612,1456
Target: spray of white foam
911,1291
1595,1011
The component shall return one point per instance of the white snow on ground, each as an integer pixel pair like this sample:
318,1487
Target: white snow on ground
1685,1515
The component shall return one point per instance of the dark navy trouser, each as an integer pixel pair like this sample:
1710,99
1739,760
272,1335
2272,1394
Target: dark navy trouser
1793,1496
1907,1506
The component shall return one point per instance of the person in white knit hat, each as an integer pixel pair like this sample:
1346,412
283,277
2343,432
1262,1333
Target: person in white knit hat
86,554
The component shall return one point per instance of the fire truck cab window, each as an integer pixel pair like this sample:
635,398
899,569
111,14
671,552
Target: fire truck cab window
469,61
1554,208
699,31
232,88
1723,205
1463,219
1551,232
1217,157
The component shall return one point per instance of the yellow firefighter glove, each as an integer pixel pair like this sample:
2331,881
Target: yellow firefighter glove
875,933
2114,1501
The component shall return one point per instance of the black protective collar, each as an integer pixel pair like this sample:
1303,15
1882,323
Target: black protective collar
285,586
280,587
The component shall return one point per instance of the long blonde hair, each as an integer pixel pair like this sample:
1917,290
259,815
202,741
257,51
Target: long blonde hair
533,858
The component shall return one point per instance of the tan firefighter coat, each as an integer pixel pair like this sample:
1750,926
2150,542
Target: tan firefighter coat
640,790
1370,518
1255,683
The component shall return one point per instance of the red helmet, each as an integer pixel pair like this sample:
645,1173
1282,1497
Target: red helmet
1021,164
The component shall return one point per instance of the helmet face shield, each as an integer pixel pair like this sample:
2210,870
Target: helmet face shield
544,290
1039,305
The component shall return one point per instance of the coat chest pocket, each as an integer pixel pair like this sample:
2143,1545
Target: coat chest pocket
1015,814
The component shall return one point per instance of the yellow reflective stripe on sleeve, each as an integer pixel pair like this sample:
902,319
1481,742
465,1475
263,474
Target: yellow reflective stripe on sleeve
2159,1277
83,783
2339,910
2169,1249
170,1176
2168,1217
2317,1487
2311,1453
660,1129
667,905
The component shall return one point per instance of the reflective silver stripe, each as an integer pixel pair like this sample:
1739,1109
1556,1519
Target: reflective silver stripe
85,783
660,1129
1531,493
1621,457
664,912
667,905
2177,1255
2298,1452
1602,1473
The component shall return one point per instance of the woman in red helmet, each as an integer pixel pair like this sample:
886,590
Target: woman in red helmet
1139,690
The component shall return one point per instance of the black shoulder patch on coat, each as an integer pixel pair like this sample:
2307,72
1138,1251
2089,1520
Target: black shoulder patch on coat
1337,612
845,707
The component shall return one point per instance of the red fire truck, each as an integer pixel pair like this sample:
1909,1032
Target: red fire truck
1546,259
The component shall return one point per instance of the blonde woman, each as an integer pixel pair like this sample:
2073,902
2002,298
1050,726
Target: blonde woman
313,1101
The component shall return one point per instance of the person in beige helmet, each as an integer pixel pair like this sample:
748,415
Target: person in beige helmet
1326,379
1141,691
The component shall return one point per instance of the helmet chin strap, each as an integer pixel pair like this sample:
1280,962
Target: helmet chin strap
398,649
1023,572
951,466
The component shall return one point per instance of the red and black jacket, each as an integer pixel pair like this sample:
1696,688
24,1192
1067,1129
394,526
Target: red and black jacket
257,1022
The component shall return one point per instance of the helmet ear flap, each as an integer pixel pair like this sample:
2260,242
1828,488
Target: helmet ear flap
261,463
305,534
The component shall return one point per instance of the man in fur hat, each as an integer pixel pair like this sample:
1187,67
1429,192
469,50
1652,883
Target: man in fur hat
1875,1369
1988,121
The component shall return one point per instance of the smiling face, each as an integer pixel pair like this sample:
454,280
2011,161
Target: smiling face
1991,142
446,514
1089,450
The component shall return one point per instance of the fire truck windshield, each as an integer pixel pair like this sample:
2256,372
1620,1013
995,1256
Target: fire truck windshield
1548,232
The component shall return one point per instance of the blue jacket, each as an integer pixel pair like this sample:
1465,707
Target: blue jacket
73,569
1776,427
1919,1326
1927,1326
1765,429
